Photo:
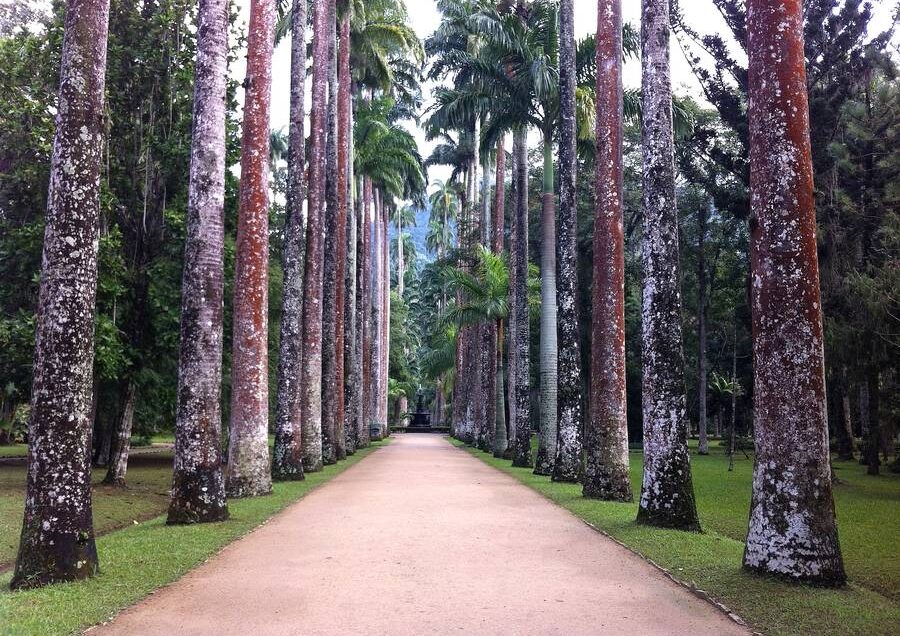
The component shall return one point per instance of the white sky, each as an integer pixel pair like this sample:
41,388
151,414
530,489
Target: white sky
701,14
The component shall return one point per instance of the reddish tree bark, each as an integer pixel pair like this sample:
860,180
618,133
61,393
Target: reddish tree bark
667,493
57,541
342,327
606,431
249,471
365,307
311,377
287,461
792,526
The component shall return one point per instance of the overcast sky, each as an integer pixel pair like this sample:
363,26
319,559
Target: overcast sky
701,14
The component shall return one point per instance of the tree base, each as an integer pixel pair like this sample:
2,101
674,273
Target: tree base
54,558
832,579
671,521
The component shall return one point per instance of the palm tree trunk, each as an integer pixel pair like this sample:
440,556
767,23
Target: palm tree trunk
567,466
501,440
287,461
521,374
667,494
606,432
361,363
702,286
118,461
546,454
512,318
792,526
332,434
57,541
249,472
386,320
311,377
347,208
377,307
400,265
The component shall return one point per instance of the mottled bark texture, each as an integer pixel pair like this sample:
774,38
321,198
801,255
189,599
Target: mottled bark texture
385,321
606,431
501,439
549,349
118,461
567,466
520,375
347,209
287,462
198,481
376,317
364,302
332,435
511,319
57,542
667,494
249,471
358,401
702,290
792,526
311,376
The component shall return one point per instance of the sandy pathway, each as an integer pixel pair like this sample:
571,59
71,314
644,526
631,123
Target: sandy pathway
422,538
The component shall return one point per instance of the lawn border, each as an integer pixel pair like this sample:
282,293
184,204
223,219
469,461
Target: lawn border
694,590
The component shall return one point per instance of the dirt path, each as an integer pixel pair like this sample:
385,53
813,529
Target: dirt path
422,538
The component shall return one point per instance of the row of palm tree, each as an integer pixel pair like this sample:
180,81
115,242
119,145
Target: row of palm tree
515,66
332,376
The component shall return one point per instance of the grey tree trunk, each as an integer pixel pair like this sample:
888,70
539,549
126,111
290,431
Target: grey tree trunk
386,321
311,376
606,432
348,205
57,541
332,445
501,439
249,470
567,466
792,530
287,463
520,376
703,287
118,461
376,331
667,494
511,319
364,302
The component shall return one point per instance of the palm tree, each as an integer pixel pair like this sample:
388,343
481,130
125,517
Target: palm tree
345,332
57,542
287,461
519,374
501,439
792,526
198,482
402,216
567,465
667,493
249,472
311,377
606,432
444,209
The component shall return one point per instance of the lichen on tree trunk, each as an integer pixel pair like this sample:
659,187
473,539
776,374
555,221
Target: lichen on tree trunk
667,493
792,526
57,541
520,375
118,461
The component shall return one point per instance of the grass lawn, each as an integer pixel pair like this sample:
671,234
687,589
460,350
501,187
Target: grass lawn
868,510
13,450
140,558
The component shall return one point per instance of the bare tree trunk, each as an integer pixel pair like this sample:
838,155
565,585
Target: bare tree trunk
606,432
333,239
118,461
702,286
347,207
249,471
667,494
873,439
520,376
287,463
501,439
792,527
512,318
568,464
385,321
311,377
377,308
364,300
57,542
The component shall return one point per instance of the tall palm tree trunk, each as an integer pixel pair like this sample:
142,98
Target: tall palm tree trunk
520,375
57,541
567,466
549,350
377,306
363,309
702,291
606,431
501,440
332,435
385,321
249,472
667,494
311,378
287,461
792,526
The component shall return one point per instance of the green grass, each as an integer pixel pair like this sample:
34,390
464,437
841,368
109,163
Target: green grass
141,558
867,510
13,450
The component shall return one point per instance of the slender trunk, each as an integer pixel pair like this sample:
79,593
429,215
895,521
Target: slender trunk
733,426
848,424
311,376
568,464
702,287
118,461
287,462
57,541
501,440
377,306
249,471
873,440
400,265
512,318
667,494
346,186
364,299
792,526
333,238
520,376
385,322
606,432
